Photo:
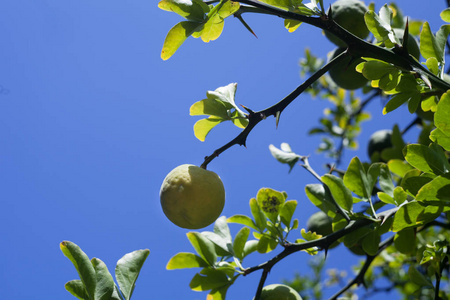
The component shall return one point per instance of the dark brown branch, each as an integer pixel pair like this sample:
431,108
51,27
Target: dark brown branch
255,117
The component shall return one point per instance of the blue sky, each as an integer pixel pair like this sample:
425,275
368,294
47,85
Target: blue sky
91,121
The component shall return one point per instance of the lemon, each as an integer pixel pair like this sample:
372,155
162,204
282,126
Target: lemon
320,223
192,197
344,73
349,14
279,292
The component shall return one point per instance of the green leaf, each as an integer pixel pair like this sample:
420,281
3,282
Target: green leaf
371,242
405,241
385,180
210,107
341,194
176,37
418,278
270,202
191,10
407,216
224,245
375,69
400,195
105,283
442,115
436,190
321,197
221,229
219,293
399,167
186,260
357,181
284,155
445,15
82,264
386,198
204,126
77,289
258,215
250,247
433,46
203,246
239,242
396,101
413,182
127,270
208,279
427,159
243,220
287,211
266,244
440,138
354,237
377,26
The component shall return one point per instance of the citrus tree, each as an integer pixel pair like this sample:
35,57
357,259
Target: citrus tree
392,210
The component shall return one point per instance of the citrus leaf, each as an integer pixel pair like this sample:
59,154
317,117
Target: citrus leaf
208,279
427,159
82,264
445,15
218,293
440,138
105,283
287,211
284,157
77,289
437,189
418,278
250,247
127,270
224,244
266,244
239,242
371,242
407,216
243,220
377,26
385,180
396,101
191,10
321,197
258,215
399,167
341,194
204,126
203,246
209,107
270,202
186,260
212,29
356,180
442,115
405,241
176,37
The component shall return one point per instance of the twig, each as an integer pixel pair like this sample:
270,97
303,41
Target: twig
255,117
359,279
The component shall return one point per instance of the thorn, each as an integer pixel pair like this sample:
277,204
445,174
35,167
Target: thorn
277,116
245,24
248,109
326,252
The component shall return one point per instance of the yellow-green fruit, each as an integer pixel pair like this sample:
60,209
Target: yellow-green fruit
192,197
379,141
320,223
412,45
279,292
349,14
344,73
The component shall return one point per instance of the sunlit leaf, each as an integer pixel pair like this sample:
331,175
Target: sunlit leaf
321,197
77,289
203,127
437,189
128,269
427,159
191,10
203,246
287,211
258,215
270,202
243,220
407,216
239,242
82,264
176,37
284,157
208,279
341,194
185,260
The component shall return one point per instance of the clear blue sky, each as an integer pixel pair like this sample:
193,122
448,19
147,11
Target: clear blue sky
91,120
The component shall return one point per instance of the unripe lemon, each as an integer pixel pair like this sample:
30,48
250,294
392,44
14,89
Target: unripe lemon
192,197
349,14
379,141
344,73
279,292
320,223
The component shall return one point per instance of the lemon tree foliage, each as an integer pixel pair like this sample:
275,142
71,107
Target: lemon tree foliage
391,208
96,283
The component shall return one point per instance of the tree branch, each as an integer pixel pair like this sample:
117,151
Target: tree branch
275,110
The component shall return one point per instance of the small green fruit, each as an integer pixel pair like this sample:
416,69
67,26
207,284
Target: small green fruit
320,223
379,141
344,73
279,292
349,14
